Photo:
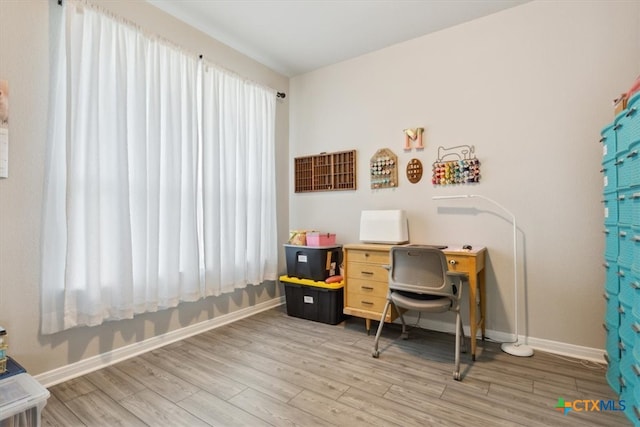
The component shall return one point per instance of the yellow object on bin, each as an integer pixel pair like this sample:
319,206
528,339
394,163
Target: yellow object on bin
308,282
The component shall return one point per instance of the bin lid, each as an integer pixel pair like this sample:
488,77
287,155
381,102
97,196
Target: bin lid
19,393
286,245
309,282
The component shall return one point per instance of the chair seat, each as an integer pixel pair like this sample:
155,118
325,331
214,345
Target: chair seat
434,305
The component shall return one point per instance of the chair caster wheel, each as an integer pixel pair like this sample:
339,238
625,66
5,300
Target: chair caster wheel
375,354
405,335
456,376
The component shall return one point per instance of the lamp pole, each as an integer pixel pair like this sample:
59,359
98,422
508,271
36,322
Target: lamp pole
513,348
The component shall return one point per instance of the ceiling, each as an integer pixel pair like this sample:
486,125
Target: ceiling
297,36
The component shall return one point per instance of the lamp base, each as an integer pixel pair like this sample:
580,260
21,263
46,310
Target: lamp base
516,349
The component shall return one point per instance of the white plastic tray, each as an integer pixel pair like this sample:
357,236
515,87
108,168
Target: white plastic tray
20,393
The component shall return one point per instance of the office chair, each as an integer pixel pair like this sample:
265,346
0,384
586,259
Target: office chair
419,280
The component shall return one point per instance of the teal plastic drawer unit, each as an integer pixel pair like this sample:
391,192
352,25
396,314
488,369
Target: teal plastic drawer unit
628,384
612,284
613,341
625,246
613,375
621,217
627,125
627,320
608,140
609,175
612,316
635,285
611,242
626,294
635,205
636,348
628,166
610,204
635,243
625,206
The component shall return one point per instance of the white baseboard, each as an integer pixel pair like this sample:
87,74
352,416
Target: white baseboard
103,360
555,347
564,349
91,364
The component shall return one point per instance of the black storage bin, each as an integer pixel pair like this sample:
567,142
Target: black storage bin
315,303
313,263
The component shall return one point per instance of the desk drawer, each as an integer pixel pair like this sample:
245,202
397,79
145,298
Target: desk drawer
460,263
365,302
358,270
368,288
375,257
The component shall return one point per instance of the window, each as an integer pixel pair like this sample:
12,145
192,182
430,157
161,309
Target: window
160,176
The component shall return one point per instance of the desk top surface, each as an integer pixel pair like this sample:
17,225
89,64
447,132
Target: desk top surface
451,249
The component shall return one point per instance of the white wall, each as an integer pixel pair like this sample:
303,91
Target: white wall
530,88
24,62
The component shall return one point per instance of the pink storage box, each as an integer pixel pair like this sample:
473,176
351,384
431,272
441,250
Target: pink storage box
320,239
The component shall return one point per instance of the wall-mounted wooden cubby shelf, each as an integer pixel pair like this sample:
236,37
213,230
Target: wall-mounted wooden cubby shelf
326,172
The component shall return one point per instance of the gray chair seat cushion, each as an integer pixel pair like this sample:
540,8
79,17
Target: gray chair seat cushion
430,303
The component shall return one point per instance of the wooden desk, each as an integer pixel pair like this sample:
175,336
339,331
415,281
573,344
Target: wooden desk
366,283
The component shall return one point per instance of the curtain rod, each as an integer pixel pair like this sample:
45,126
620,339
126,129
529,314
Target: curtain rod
278,94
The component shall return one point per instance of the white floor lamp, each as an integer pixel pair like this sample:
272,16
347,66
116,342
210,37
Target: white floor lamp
513,348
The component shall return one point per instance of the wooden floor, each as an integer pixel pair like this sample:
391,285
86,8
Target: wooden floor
275,370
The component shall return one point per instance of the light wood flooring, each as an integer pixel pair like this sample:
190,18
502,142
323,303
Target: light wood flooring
275,370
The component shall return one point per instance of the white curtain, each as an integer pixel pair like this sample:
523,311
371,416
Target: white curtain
125,213
240,245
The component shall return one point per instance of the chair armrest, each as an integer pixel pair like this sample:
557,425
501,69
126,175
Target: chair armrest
459,278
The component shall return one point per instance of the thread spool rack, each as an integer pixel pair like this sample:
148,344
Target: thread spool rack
383,169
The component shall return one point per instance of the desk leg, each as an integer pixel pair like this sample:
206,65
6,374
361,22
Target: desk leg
473,319
483,302
367,323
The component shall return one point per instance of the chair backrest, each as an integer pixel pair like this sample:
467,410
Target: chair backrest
419,269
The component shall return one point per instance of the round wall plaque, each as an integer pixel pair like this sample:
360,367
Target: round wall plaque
414,170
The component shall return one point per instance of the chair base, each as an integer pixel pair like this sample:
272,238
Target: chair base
460,338
515,349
